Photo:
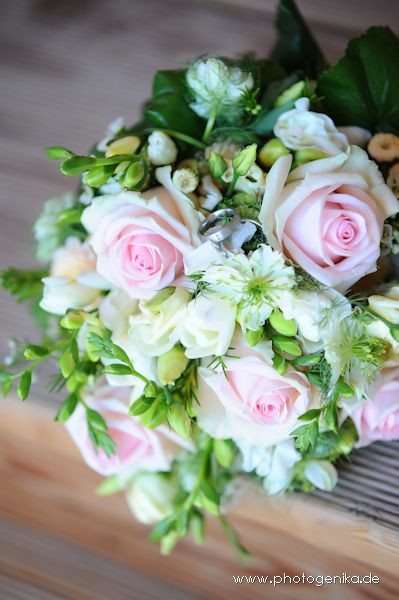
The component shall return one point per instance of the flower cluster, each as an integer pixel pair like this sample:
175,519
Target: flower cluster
202,284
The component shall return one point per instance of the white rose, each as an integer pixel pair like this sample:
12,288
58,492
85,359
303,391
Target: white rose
302,129
316,313
275,463
387,306
73,281
161,149
115,311
208,327
155,328
150,497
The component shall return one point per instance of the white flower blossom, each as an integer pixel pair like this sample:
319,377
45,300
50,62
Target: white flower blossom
161,149
302,129
252,283
216,85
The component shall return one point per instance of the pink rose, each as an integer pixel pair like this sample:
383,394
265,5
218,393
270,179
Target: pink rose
327,215
378,418
137,448
140,239
252,401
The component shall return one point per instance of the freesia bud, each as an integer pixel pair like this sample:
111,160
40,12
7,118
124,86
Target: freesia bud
271,151
322,474
292,93
304,156
161,149
217,165
125,145
244,160
171,365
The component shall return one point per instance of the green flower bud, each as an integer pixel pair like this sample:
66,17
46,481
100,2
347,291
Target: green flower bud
281,325
99,175
197,527
171,365
136,175
225,451
186,180
292,93
271,151
72,320
279,363
217,165
179,420
287,345
254,337
125,145
244,160
305,156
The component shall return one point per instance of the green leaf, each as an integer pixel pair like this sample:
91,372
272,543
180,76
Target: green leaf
24,384
288,345
362,87
279,363
155,416
296,47
67,364
77,165
67,408
281,325
96,420
266,120
70,216
117,369
306,436
197,524
6,387
32,352
105,441
225,451
311,414
162,528
23,284
169,107
307,360
331,416
209,492
344,389
57,152
233,538
140,406
99,175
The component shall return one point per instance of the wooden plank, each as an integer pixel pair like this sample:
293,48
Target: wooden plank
46,487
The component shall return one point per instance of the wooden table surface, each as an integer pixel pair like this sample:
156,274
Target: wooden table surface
66,70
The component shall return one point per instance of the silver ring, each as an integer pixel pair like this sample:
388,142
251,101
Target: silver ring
211,230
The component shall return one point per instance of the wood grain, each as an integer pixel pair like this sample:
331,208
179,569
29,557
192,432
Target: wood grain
47,488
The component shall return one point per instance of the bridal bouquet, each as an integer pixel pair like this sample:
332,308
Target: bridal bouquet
203,292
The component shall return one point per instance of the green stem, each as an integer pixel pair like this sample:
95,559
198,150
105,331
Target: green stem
230,189
180,136
210,123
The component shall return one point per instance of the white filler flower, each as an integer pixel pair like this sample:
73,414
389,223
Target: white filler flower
216,85
252,283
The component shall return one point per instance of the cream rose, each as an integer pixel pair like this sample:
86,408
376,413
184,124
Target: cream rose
73,281
327,215
208,327
155,328
251,400
387,306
